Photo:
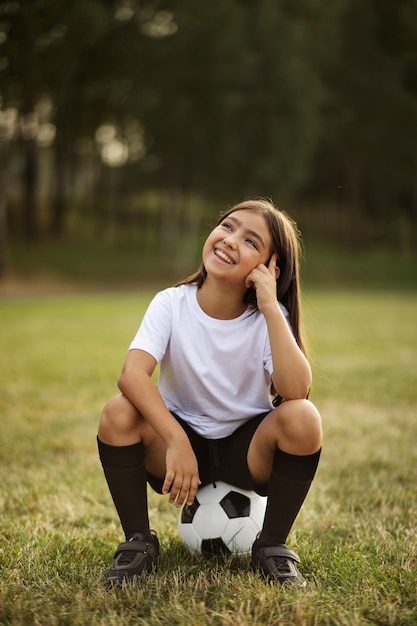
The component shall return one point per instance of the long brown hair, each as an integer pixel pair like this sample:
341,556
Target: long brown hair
286,244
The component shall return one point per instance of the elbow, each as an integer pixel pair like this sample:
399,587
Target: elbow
130,379
304,387
295,387
302,390
123,381
294,391
300,393
120,383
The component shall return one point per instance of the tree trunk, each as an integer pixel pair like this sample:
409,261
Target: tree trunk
58,206
3,228
30,177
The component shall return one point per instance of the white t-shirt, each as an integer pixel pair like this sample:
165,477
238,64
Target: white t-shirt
214,374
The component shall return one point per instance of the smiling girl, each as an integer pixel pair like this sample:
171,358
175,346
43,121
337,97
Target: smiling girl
231,401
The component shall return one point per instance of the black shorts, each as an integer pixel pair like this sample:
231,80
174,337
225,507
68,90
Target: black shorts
221,459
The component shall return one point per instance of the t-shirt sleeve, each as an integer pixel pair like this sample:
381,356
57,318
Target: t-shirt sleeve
155,329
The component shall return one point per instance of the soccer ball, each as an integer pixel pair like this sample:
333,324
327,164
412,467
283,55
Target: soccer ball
223,520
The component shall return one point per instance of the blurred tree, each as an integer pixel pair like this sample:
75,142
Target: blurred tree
234,100
369,150
219,99
3,205
397,35
60,51
287,93
70,64
21,77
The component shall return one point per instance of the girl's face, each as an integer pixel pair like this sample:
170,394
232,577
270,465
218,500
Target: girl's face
237,245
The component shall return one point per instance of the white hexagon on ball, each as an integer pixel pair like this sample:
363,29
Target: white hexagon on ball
222,520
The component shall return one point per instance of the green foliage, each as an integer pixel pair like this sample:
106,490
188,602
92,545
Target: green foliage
126,262
224,100
356,534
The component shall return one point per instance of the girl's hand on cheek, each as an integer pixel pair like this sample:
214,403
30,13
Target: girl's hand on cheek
263,280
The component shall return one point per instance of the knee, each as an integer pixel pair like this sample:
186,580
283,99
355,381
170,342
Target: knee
300,426
119,420
311,421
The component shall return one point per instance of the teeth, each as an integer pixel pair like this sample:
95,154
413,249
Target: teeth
224,257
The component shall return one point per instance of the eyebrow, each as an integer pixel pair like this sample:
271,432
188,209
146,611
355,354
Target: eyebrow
254,234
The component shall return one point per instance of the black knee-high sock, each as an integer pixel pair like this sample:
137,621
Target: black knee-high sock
124,469
288,486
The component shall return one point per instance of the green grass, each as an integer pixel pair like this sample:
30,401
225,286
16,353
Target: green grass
356,534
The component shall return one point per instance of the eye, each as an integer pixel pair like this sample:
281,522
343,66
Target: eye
226,225
251,242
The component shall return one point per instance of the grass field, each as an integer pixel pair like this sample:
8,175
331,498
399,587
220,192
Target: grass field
356,534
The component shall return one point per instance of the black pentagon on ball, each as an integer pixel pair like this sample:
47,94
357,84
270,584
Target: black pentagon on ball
188,512
235,505
214,547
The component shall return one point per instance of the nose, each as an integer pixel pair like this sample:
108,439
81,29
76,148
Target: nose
229,242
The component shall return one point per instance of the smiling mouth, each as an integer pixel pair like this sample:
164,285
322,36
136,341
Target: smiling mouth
223,256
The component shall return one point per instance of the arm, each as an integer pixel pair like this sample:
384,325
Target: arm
136,384
292,373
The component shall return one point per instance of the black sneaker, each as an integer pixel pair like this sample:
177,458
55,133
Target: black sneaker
277,564
133,558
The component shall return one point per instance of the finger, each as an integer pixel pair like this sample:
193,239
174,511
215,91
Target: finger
169,477
182,493
176,489
273,268
249,281
195,483
272,263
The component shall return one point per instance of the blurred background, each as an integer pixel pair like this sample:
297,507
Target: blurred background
126,126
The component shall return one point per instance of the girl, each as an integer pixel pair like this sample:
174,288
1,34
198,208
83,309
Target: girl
231,402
